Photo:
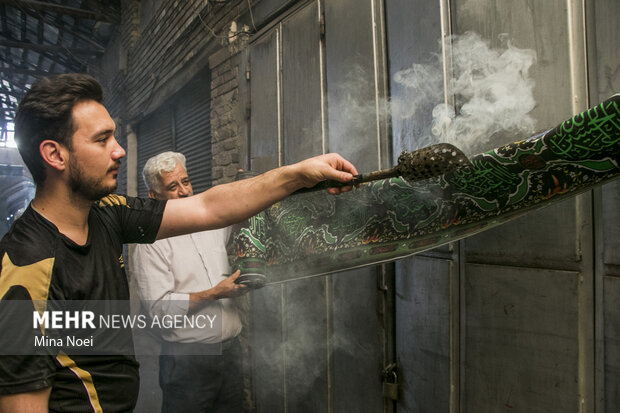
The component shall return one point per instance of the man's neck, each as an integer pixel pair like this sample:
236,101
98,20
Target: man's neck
65,210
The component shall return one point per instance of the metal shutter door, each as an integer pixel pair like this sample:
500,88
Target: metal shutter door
154,136
193,130
121,187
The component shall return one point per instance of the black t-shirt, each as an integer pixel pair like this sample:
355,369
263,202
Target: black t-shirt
41,264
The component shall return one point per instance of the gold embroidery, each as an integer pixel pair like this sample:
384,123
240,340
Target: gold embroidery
113,199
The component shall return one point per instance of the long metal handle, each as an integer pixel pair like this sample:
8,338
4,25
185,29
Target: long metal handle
357,179
424,163
328,184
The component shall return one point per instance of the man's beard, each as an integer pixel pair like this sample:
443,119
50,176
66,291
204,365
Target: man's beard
90,189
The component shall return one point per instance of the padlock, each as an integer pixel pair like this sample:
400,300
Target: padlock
390,382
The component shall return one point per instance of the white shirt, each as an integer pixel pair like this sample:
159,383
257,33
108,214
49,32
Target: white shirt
168,270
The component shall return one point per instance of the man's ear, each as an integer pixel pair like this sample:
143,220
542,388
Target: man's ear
152,194
54,154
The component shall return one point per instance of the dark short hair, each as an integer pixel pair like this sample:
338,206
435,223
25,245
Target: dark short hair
45,112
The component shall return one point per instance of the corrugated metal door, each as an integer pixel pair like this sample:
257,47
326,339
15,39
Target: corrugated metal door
604,69
318,343
268,304
182,124
527,299
291,364
154,136
122,173
362,307
427,285
509,320
193,130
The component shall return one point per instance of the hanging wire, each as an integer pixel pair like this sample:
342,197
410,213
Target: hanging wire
232,36
156,77
219,36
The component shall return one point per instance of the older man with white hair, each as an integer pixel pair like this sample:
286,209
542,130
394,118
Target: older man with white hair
189,274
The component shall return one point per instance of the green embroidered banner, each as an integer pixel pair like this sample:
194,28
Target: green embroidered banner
316,233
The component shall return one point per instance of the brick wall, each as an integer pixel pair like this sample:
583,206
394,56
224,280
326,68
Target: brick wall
156,59
226,114
146,64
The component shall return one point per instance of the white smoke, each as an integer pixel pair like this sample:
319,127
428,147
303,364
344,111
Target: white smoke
422,83
491,87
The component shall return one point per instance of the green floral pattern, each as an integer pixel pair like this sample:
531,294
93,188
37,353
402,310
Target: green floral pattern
316,233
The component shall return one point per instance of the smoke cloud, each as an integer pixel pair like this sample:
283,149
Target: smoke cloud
492,91
493,95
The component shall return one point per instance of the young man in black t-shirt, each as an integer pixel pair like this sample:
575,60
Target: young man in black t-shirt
67,245
42,264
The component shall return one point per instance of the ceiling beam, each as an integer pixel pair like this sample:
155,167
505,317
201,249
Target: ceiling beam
19,83
8,110
68,68
69,61
4,91
15,93
47,47
8,116
30,72
106,7
7,104
62,27
61,9
5,22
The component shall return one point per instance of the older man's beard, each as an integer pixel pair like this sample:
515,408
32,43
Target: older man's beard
90,189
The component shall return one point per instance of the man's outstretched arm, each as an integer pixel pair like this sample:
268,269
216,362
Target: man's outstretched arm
227,204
